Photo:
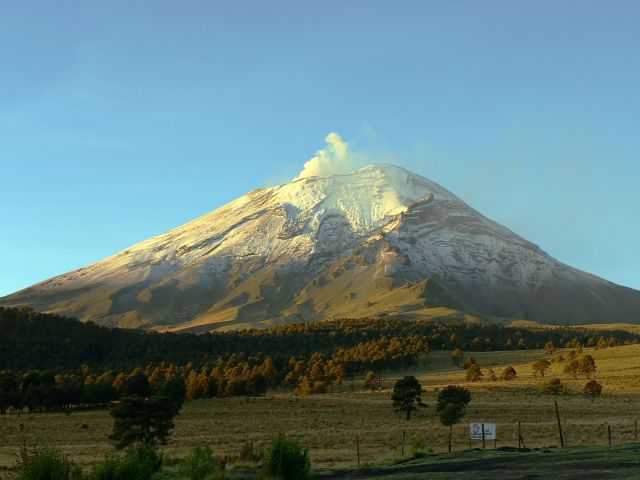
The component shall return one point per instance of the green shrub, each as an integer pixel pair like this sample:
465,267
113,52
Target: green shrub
200,465
285,459
46,463
418,448
138,463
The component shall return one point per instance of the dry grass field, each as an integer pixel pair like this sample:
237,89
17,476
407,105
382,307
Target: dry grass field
328,424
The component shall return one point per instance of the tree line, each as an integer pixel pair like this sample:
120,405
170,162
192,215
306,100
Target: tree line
225,376
51,362
32,340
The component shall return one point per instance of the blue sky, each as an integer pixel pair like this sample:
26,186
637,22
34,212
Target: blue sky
121,120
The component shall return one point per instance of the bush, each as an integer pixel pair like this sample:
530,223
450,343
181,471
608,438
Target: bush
553,387
418,448
46,463
509,373
200,464
138,463
285,459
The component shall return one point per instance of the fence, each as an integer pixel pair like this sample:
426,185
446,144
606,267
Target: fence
517,435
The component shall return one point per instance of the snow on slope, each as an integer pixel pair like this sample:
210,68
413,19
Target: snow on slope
271,222
374,240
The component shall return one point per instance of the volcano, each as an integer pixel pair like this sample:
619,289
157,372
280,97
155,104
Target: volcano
377,241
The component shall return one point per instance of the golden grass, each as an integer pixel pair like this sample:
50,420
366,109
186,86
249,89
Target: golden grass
627,327
328,424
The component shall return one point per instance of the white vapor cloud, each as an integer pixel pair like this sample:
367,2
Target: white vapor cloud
333,159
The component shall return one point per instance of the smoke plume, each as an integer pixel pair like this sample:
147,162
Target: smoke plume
333,159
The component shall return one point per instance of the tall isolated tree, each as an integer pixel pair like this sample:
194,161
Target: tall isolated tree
587,366
553,386
593,389
452,406
407,396
142,420
540,367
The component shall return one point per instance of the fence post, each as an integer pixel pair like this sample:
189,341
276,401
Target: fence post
635,424
609,433
358,448
559,424
402,444
519,435
482,436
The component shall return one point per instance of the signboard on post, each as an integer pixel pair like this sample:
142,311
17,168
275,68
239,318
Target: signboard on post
475,431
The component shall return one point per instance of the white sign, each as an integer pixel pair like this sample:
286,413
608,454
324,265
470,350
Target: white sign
475,431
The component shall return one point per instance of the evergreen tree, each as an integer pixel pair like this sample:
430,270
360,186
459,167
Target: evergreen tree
407,396
142,420
587,366
553,386
593,389
540,367
452,406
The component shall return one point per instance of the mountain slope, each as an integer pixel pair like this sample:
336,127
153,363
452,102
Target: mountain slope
379,240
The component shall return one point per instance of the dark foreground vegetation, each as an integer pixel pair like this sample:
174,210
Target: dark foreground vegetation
141,422
282,459
50,362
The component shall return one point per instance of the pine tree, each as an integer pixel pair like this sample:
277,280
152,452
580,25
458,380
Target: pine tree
540,367
452,406
593,389
587,366
407,396
142,420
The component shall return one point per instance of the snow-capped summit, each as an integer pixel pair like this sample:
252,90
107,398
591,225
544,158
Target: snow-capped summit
378,240
366,198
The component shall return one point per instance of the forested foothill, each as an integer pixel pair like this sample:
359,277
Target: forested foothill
50,362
